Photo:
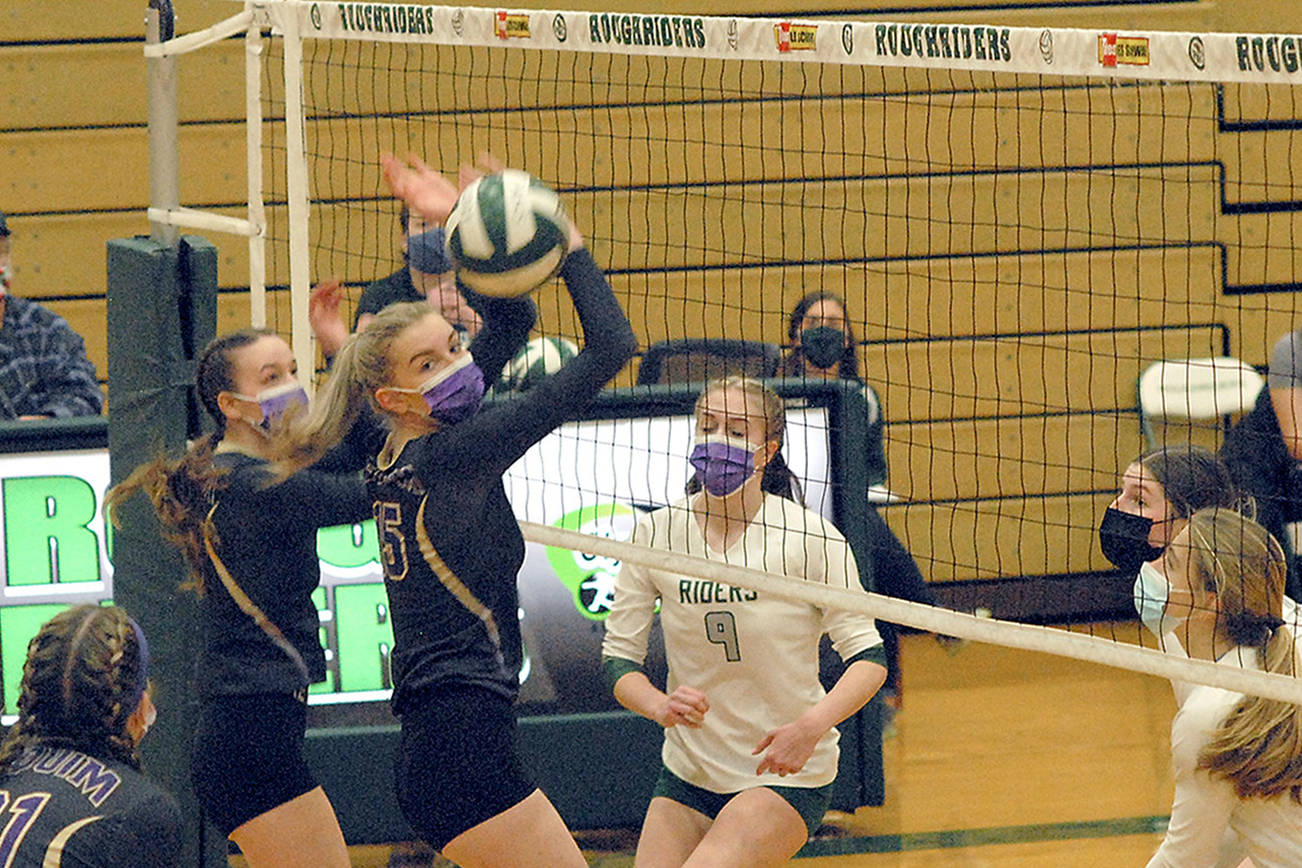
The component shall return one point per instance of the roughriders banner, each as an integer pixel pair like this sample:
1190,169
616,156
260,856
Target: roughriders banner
1221,57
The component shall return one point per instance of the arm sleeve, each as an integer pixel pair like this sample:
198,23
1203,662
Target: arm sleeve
628,624
362,443
69,386
507,322
498,436
829,560
319,499
1201,811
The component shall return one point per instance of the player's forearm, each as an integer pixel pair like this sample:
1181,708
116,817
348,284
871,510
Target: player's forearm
860,681
635,692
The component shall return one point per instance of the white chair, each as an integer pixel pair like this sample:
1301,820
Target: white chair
1197,394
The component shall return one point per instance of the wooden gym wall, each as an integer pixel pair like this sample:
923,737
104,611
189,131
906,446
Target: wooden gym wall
1009,388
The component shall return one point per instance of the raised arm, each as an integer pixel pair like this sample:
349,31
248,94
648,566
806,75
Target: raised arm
495,438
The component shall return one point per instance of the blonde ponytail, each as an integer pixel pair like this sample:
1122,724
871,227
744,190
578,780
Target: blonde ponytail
1258,747
360,367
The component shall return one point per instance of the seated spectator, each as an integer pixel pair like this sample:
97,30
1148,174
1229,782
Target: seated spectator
44,372
823,346
70,766
1264,452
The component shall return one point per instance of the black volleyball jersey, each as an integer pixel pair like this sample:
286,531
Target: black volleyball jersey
61,808
449,541
266,539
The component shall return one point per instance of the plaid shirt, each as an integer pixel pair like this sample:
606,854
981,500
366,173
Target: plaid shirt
43,366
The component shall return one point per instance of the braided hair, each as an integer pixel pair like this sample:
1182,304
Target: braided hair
83,678
182,489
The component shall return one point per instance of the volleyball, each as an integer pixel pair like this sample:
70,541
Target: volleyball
539,358
507,233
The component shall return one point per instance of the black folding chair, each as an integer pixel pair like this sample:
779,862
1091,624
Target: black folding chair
690,360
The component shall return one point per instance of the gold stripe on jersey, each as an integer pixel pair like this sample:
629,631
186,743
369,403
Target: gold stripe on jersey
455,586
54,852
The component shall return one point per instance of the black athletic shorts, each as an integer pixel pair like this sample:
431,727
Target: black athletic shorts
248,756
458,761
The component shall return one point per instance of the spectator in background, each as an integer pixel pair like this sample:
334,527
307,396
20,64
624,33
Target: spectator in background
427,275
44,372
1264,452
437,285
823,346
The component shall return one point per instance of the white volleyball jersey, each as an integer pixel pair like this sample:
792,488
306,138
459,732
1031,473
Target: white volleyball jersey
754,656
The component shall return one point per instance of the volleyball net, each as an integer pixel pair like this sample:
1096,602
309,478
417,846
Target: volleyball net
1022,223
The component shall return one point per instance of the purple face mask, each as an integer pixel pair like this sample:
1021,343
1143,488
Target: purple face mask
277,401
723,463
454,393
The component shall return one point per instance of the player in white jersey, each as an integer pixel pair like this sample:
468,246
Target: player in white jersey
750,750
1238,772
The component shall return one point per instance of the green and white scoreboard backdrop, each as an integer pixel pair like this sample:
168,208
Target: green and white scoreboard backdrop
590,476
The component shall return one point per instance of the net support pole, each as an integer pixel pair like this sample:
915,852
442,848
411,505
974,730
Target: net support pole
161,305
253,143
297,190
164,161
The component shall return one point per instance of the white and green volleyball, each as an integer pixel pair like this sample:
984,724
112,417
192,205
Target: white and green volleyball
507,234
539,358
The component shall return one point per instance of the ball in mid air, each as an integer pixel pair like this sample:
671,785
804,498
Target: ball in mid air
507,234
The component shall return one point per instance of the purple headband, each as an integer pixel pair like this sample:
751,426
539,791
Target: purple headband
142,669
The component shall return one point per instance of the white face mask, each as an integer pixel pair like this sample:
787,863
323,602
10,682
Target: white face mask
1152,593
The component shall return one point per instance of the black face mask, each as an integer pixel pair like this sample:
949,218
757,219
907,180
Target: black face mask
823,345
1123,537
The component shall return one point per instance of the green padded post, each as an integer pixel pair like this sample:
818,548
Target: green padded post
162,308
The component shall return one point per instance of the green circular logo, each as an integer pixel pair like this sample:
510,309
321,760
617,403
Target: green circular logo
591,578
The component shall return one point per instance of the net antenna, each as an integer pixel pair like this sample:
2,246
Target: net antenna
1020,220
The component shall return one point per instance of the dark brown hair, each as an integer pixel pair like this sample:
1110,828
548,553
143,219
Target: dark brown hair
793,363
1194,478
79,686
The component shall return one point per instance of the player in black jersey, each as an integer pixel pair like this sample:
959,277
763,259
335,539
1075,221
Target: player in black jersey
450,543
71,791
251,549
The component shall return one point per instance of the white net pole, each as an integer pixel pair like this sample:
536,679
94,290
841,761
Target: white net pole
257,213
296,168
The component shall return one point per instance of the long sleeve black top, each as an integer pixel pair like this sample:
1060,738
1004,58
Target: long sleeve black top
450,543
266,537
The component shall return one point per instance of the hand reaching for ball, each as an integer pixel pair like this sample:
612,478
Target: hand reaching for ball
425,191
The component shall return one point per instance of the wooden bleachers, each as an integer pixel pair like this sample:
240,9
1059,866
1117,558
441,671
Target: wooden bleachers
973,222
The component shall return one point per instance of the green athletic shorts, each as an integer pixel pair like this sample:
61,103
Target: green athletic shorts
811,803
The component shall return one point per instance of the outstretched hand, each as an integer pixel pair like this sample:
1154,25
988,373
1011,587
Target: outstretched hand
425,191
323,315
